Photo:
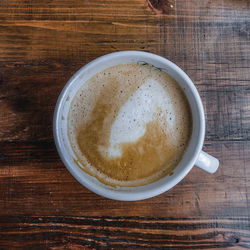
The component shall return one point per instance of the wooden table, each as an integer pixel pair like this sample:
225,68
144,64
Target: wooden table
42,43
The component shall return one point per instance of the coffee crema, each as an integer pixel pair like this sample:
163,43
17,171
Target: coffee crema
129,125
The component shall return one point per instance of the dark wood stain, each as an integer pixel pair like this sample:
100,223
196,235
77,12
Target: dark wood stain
162,6
42,43
123,232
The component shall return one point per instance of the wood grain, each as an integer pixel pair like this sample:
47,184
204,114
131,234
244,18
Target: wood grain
42,43
125,232
34,177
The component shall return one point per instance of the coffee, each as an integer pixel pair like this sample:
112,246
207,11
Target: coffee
129,125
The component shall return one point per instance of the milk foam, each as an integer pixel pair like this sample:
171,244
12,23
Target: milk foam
122,109
148,103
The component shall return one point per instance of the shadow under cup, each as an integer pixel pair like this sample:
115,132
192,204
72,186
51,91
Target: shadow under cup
128,193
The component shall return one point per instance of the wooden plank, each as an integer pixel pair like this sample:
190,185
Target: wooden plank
212,45
75,10
28,98
124,232
33,181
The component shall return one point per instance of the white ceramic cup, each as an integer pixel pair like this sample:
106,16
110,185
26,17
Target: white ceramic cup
193,155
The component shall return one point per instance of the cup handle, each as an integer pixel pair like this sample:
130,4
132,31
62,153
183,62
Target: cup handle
207,162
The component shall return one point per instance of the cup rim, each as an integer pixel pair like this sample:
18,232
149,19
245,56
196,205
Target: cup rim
141,194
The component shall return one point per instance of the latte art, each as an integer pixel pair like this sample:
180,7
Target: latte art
129,125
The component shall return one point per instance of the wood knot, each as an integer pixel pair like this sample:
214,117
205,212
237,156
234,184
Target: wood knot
162,6
234,239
